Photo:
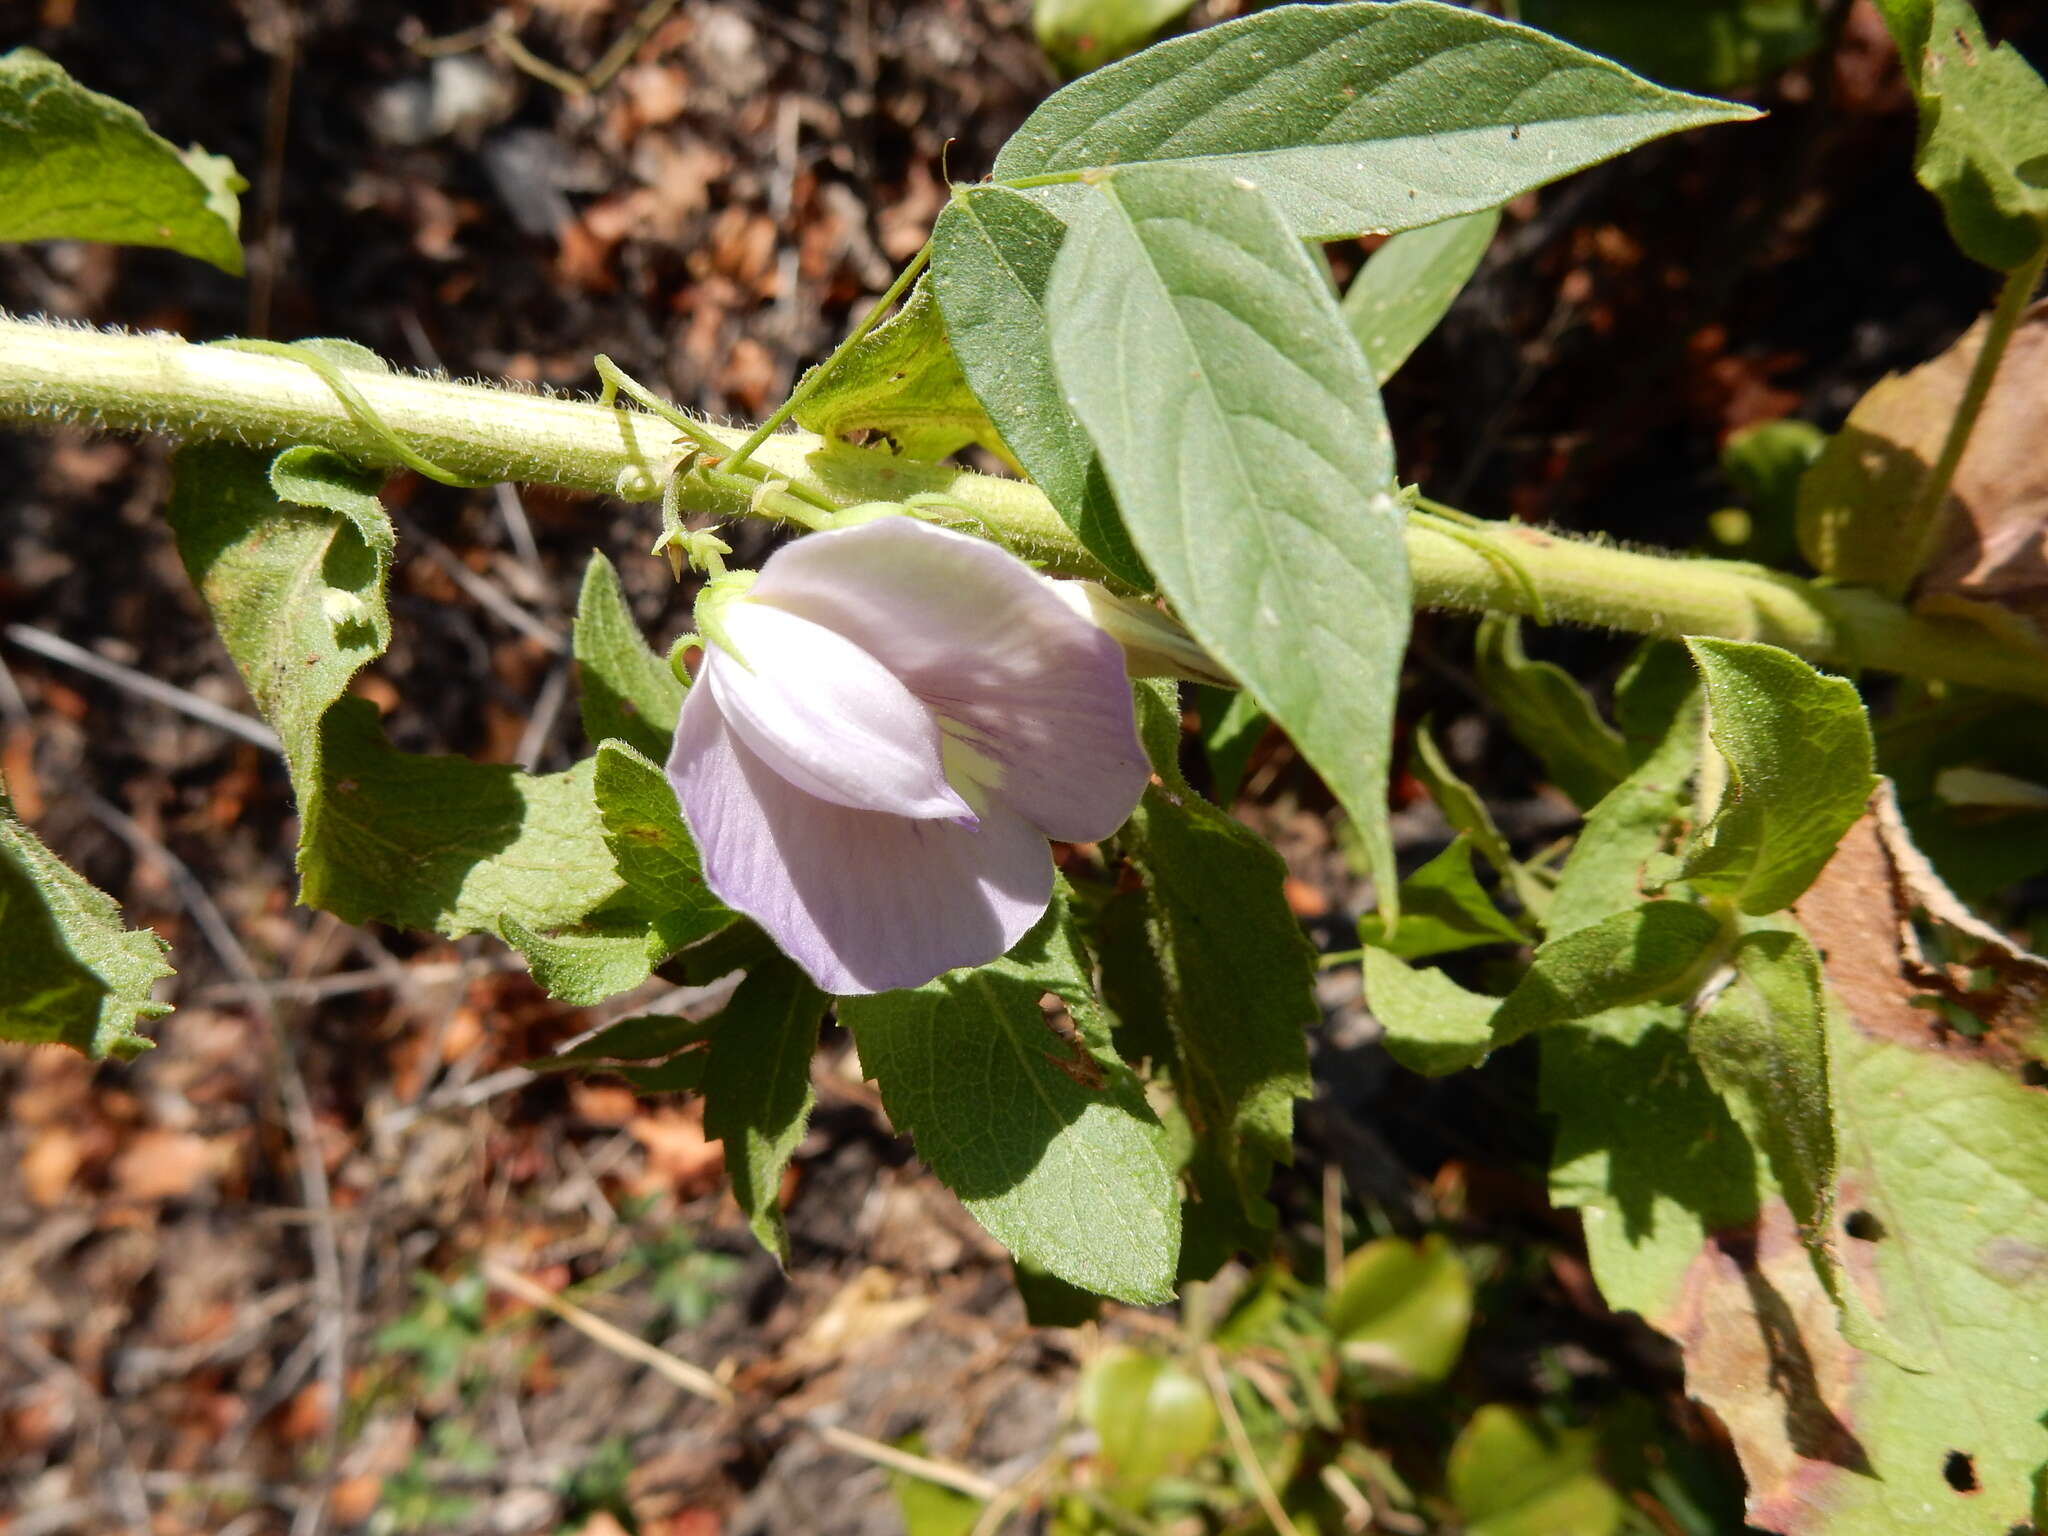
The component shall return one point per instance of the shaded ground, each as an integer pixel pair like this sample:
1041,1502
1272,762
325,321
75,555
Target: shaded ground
237,1278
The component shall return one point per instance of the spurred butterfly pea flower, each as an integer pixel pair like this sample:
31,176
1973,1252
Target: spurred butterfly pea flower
891,723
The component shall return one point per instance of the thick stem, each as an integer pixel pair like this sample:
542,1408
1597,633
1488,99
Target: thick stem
1925,518
164,385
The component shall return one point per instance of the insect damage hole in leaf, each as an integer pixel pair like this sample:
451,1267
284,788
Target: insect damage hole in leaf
1959,1471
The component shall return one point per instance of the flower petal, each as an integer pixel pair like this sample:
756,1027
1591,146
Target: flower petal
862,900
985,642
827,716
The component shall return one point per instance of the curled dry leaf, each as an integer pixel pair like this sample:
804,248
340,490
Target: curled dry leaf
1991,559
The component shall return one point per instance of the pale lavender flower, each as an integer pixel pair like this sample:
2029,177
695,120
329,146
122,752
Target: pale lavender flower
910,714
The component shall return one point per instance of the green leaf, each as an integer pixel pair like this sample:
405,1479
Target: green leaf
1983,147
76,165
70,974
1044,1136
651,847
1947,1158
1443,909
644,1037
1762,1044
757,1089
628,691
1765,464
1550,714
1241,429
1432,1025
296,591
902,380
1401,1310
1510,1476
1799,755
1232,727
992,260
1080,35
1360,118
1152,1419
1706,45
1409,284
1645,1149
1468,815
1237,983
1634,822
1636,956
586,964
446,844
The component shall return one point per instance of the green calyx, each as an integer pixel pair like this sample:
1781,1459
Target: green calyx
719,594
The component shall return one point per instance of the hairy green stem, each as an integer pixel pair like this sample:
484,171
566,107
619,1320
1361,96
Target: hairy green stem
59,374
1924,519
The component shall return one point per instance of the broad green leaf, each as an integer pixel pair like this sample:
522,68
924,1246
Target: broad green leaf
1080,35
1942,1189
587,964
446,844
1432,1025
627,691
1658,683
644,1037
1704,45
1983,148
665,905
1237,983
1798,751
1409,284
1645,1150
1444,909
1358,118
76,165
1765,464
1238,421
296,590
1510,1476
1640,955
1634,823
1550,714
903,381
1152,1418
1401,1310
651,847
443,843
1637,955
1232,727
70,974
992,259
1945,1156
1944,1183
1045,1136
307,476
757,1089
1762,1044
1468,815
